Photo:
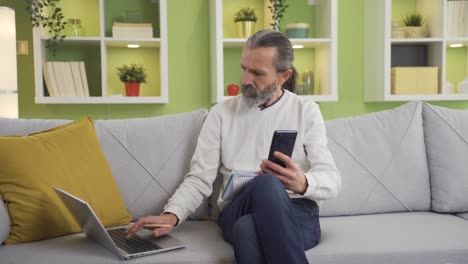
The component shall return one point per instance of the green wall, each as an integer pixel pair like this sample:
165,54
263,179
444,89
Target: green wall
189,69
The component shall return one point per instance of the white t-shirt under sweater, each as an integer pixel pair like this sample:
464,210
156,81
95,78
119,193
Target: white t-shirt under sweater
238,137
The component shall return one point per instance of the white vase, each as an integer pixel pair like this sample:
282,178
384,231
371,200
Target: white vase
245,28
414,32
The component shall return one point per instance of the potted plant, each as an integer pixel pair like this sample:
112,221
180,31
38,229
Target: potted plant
132,76
47,14
413,25
277,9
245,19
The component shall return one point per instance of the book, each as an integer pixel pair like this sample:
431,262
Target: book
65,85
237,181
84,79
75,69
132,30
123,33
132,25
49,78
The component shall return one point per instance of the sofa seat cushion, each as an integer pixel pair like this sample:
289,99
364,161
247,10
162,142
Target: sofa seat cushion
417,238
446,135
203,238
382,160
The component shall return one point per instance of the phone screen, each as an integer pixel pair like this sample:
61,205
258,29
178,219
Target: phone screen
283,141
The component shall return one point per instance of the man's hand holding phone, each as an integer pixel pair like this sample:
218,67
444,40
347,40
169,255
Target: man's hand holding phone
280,164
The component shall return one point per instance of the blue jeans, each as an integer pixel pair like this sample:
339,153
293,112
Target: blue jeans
265,226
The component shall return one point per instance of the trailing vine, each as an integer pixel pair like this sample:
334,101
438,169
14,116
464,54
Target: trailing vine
277,9
47,14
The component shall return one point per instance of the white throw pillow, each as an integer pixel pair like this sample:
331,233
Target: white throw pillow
446,135
382,160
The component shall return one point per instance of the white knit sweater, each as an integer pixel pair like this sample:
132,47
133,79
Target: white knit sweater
238,137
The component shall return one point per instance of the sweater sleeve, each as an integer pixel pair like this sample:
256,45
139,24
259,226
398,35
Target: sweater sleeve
197,184
324,180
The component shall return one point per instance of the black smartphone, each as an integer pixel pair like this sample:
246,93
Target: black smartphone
283,141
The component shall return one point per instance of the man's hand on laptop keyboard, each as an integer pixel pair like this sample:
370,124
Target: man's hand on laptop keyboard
161,225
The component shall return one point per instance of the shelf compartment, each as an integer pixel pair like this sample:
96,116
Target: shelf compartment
419,55
226,47
135,11
97,51
313,59
148,57
431,11
88,52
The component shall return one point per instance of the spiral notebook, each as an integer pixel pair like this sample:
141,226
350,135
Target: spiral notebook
237,180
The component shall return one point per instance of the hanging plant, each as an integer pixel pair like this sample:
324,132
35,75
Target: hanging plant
47,14
277,9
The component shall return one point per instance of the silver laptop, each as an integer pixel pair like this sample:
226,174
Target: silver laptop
142,244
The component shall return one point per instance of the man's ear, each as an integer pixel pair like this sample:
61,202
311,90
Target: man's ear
284,76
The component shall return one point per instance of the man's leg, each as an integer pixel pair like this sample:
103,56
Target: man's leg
245,241
278,231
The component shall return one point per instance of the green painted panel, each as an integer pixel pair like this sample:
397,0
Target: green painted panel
87,11
401,8
456,65
299,11
232,6
232,69
304,59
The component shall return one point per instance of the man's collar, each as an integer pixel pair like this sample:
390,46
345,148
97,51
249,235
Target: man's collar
263,107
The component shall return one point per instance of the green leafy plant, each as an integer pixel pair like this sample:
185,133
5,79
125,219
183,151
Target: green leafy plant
413,19
277,9
47,14
132,73
245,14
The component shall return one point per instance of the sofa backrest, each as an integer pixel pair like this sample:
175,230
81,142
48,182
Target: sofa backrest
382,160
149,157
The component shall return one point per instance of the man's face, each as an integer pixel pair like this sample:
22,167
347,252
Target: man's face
259,77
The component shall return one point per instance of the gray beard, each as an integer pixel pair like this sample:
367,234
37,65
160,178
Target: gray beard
254,97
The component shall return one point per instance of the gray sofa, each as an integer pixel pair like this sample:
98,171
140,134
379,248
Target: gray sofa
404,195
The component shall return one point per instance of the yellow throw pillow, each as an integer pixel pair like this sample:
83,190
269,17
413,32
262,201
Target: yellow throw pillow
68,157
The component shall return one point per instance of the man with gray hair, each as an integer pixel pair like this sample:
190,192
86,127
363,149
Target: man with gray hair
275,217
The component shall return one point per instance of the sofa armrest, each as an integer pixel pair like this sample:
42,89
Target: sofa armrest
4,222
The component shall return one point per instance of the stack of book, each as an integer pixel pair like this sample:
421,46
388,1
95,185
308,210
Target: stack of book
66,78
132,30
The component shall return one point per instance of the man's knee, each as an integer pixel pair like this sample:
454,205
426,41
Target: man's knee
268,183
244,229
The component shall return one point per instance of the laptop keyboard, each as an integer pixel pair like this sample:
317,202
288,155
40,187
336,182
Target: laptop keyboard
135,244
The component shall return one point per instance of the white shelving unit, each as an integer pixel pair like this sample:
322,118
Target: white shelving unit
106,45
323,46
379,45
